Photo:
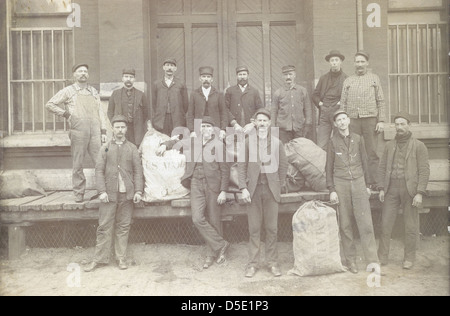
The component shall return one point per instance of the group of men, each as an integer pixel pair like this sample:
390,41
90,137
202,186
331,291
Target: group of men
352,111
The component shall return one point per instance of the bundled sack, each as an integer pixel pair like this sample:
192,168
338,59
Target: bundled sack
316,240
295,181
19,183
162,173
310,160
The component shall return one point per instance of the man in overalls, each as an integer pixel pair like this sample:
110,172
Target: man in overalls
80,105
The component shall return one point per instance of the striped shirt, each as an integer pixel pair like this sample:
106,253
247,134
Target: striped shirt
362,96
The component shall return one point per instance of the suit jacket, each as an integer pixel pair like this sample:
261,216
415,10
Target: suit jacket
175,96
215,108
236,101
140,111
249,171
417,167
216,169
114,159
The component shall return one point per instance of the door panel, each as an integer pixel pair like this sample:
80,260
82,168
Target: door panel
205,53
282,38
171,44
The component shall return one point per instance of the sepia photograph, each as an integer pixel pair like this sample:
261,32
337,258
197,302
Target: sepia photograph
224,152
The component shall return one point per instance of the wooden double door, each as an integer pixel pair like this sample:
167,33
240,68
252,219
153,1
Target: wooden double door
261,34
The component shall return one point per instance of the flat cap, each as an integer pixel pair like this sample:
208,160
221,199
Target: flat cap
263,111
208,120
334,53
74,68
129,71
170,60
363,53
287,68
119,118
338,112
242,68
207,70
404,115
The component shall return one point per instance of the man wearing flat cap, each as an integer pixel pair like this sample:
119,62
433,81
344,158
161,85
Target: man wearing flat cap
80,105
132,103
207,101
242,101
363,99
120,182
170,100
403,177
207,175
346,174
327,97
291,108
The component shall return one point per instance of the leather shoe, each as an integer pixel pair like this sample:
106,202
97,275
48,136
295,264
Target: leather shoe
123,264
353,268
221,258
250,272
275,271
79,198
91,266
208,262
407,265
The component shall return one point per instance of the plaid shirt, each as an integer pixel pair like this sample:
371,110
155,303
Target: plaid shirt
362,96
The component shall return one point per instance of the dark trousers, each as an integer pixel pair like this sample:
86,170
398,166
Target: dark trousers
114,222
168,125
397,198
366,128
287,136
206,215
263,214
326,125
354,203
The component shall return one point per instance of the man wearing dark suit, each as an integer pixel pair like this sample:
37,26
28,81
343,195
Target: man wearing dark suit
207,176
403,174
207,101
260,178
242,101
131,103
170,100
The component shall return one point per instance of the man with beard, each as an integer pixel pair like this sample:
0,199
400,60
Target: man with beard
327,96
87,123
170,100
291,108
120,183
131,103
403,177
242,101
265,167
362,98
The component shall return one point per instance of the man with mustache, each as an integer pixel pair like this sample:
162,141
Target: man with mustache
207,101
403,177
291,108
170,100
242,101
120,182
131,103
362,98
327,96
80,105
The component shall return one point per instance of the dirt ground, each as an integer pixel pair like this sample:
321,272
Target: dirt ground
175,270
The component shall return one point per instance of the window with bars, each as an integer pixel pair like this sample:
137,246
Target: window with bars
418,71
40,61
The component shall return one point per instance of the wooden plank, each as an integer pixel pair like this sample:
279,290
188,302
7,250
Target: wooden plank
36,205
72,205
13,205
58,202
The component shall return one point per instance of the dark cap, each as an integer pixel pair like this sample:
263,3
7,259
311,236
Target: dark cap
264,111
170,60
129,71
334,53
288,68
363,53
338,112
242,68
206,70
74,68
119,118
208,120
404,115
